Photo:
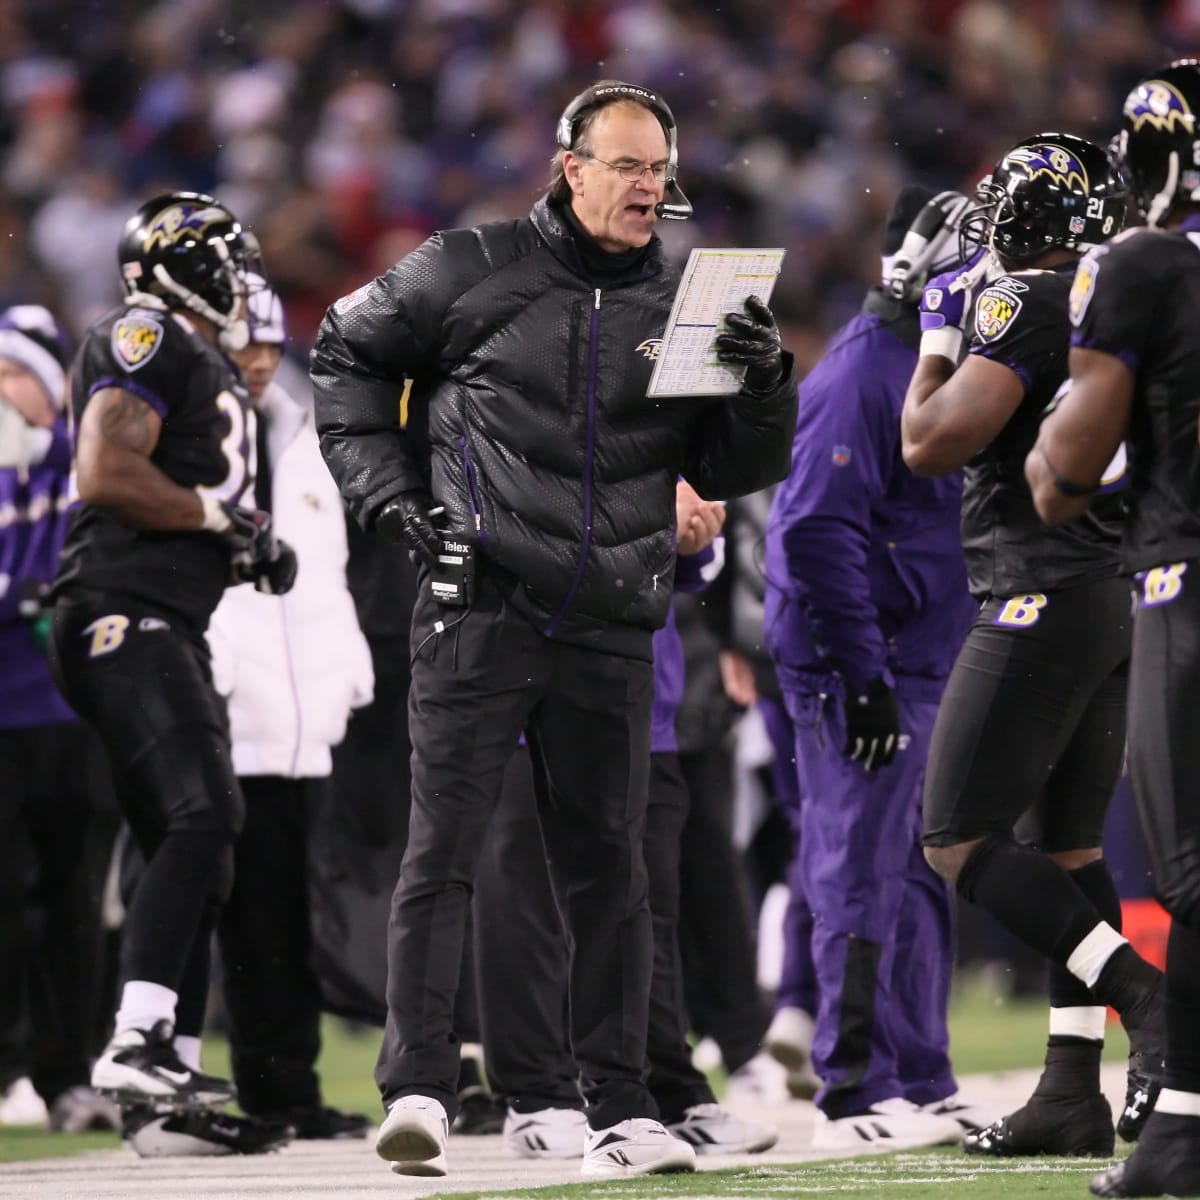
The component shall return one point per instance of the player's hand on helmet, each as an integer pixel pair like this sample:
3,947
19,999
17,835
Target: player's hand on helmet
930,245
872,725
407,520
948,305
752,340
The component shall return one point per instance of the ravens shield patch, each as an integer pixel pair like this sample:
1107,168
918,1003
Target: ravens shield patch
995,312
136,339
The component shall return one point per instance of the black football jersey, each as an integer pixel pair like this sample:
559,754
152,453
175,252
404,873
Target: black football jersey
1138,298
207,440
1021,321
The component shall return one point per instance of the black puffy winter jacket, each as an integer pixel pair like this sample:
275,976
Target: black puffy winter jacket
528,419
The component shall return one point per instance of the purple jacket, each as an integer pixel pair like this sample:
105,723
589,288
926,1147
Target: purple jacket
33,523
864,565
693,573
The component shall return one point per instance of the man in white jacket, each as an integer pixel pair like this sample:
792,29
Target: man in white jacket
292,668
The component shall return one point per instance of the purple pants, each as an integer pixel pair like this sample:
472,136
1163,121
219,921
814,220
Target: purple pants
797,975
882,920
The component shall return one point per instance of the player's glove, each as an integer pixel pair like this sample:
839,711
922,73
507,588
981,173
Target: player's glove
407,521
948,304
259,557
872,726
753,341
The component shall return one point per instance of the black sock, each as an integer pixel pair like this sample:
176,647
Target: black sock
1072,1062
1030,895
1182,1004
1095,882
1130,984
1072,1067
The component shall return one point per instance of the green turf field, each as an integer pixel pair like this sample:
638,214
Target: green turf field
987,1033
944,1174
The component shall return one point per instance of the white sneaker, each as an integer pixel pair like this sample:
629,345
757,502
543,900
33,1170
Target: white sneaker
711,1129
789,1041
637,1146
431,1168
760,1081
20,1104
894,1124
547,1133
413,1136
971,1114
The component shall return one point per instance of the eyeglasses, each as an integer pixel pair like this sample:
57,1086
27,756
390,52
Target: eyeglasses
632,172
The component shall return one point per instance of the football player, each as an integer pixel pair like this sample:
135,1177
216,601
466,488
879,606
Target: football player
163,462
1135,378
1033,717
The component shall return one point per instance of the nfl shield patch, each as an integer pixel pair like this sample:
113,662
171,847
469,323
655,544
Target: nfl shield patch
136,339
995,312
841,456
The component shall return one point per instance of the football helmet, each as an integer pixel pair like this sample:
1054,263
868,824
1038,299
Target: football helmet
185,249
1159,142
1050,190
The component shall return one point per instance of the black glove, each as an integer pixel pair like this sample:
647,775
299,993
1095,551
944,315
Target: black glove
406,520
872,726
259,557
753,341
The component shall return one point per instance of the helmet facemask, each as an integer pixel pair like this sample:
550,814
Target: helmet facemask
187,251
1050,191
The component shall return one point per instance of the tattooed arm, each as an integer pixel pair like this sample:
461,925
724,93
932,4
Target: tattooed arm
115,439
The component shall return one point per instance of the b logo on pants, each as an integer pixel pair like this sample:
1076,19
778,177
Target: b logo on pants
107,634
1160,585
1021,610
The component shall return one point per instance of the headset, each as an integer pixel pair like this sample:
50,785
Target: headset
678,207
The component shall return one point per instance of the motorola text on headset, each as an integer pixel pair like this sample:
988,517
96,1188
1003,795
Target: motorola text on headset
675,208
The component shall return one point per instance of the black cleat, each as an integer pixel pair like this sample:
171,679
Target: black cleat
1145,1026
140,1068
479,1112
1142,1085
321,1124
1165,1162
200,1133
1075,1126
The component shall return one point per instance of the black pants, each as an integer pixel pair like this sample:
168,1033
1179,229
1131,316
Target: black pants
1033,718
1164,735
271,993
586,714
523,954
58,821
146,688
716,932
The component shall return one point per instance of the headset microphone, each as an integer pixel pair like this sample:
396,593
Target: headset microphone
677,208
674,205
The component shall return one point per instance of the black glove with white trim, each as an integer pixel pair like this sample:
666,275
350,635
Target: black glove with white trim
872,726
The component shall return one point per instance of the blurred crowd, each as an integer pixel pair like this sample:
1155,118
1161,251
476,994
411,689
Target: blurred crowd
345,131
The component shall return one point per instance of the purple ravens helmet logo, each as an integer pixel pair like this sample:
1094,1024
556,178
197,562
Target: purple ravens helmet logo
1159,105
179,221
1056,162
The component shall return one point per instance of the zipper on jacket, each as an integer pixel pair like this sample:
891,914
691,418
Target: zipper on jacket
473,492
588,454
